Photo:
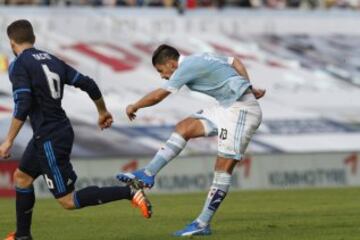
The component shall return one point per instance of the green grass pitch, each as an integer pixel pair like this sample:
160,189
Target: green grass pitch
292,214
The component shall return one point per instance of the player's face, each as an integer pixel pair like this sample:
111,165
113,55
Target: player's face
166,69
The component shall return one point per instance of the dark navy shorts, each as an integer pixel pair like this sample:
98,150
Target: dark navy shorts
49,156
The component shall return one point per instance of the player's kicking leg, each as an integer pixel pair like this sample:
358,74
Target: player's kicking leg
185,130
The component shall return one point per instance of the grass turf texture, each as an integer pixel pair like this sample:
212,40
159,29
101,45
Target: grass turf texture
292,214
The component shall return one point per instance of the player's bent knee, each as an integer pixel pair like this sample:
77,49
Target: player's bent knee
67,202
189,128
181,128
22,180
67,205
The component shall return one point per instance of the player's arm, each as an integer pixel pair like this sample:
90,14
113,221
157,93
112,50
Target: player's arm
241,70
22,98
15,128
105,117
21,111
89,86
184,74
148,100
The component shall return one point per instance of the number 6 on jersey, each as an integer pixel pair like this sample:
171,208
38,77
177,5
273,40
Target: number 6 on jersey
54,82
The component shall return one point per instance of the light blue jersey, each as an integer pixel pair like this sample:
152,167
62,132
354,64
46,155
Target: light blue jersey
209,74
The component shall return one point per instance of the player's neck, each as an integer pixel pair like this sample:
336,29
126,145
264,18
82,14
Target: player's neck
23,47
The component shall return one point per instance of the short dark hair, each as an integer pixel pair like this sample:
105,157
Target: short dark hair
21,31
163,53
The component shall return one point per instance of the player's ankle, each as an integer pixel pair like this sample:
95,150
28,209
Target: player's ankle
148,173
202,224
132,192
26,236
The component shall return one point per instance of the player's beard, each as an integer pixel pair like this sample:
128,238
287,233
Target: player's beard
13,46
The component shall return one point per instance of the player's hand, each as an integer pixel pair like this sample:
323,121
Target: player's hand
130,112
258,93
105,120
5,149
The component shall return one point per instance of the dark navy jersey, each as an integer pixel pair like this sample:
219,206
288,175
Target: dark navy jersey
38,80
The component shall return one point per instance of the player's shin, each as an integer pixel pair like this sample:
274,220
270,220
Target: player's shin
94,195
174,145
217,193
25,200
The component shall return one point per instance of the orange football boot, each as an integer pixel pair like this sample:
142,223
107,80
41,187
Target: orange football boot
140,200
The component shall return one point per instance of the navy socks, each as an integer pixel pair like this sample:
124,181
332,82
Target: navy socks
93,195
25,201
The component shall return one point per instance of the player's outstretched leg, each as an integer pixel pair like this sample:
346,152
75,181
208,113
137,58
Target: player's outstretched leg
217,193
186,129
93,195
145,177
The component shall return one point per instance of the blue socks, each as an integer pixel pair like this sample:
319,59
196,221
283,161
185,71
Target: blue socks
93,195
25,201
217,193
174,145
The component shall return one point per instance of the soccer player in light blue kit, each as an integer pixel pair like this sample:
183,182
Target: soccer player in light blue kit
234,120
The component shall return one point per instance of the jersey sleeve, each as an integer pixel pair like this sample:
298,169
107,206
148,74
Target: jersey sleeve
22,92
83,82
183,75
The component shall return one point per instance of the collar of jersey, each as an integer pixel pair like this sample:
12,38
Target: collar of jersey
24,51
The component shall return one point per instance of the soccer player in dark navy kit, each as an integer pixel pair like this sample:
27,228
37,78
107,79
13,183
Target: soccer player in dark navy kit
38,80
